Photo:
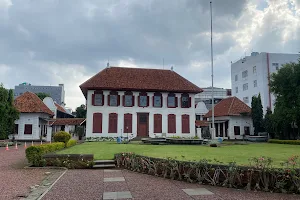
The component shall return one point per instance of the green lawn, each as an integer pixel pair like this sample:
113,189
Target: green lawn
228,153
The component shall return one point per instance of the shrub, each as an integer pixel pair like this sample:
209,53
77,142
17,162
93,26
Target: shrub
213,145
34,154
62,136
71,142
293,142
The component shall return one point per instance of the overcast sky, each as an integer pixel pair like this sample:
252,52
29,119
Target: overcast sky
47,42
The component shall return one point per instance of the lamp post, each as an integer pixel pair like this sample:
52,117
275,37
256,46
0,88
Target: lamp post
212,76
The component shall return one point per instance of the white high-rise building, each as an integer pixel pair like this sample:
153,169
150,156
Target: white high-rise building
250,76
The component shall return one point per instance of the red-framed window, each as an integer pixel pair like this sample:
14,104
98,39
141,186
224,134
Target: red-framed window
143,99
127,123
113,99
16,128
128,99
113,123
186,101
157,100
28,129
185,123
98,98
97,123
157,123
171,123
172,100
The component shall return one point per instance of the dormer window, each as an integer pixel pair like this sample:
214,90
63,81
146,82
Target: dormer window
114,99
172,100
157,100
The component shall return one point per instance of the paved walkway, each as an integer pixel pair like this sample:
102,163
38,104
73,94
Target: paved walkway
123,184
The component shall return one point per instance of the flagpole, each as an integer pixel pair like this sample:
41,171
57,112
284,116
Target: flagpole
212,75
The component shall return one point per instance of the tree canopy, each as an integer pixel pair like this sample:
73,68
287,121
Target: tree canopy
285,85
42,95
8,113
81,111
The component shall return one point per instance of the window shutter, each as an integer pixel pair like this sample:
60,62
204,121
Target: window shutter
123,100
128,123
185,124
133,97
190,102
176,101
118,100
157,123
108,100
153,101
97,123
161,101
147,101
102,99
139,101
181,102
93,99
171,123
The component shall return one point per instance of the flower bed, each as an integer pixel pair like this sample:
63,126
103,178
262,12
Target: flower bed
260,175
70,161
100,139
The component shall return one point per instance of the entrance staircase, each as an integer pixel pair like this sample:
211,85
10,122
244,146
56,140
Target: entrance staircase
104,164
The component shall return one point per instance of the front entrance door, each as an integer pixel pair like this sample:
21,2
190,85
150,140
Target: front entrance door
142,124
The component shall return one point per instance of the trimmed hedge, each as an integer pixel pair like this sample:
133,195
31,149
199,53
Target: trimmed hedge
70,161
34,154
62,136
71,142
293,142
259,175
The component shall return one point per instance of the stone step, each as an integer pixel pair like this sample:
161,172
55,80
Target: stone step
104,166
99,162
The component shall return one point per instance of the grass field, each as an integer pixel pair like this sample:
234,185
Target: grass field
226,153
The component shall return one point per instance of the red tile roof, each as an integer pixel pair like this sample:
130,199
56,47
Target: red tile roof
68,121
231,106
122,78
60,108
31,103
201,123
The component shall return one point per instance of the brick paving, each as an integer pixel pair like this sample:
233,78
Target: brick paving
89,184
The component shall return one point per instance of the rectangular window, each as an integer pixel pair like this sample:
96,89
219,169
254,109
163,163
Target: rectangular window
185,123
143,101
245,86
185,101
254,69
113,123
236,78
236,90
113,100
28,129
128,100
97,123
157,101
171,123
171,101
157,123
98,100
276,65
127,123
247,130
255,83
245,74
237,130
246,99
16,128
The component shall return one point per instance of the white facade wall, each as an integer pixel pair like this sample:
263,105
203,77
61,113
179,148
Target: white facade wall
260,75
121,110
34,119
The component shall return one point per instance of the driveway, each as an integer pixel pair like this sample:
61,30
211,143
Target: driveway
15,179
124,184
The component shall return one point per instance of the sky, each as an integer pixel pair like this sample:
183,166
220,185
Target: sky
48,42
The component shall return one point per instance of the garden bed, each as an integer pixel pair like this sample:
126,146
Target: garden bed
71,161
172,141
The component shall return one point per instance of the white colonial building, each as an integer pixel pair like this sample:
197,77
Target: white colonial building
232,119
140,102
250,76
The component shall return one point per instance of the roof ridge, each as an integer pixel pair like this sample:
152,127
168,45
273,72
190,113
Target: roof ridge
231,105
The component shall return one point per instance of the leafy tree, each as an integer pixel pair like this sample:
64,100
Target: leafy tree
285,84
257,114
268,123
42,95
81,111
8,113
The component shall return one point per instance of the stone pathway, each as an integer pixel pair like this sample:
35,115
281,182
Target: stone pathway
123,184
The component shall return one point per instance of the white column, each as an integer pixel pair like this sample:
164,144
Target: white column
223,129
49,133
